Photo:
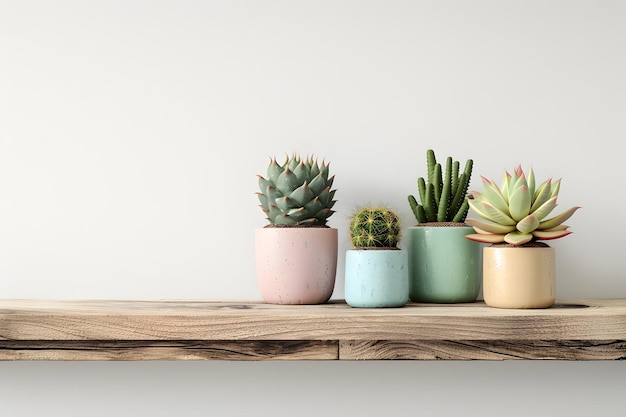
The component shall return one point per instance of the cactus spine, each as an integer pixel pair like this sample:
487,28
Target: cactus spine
375,227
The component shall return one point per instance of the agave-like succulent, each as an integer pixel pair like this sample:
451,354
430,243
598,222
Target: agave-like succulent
516,211
297,193
375,227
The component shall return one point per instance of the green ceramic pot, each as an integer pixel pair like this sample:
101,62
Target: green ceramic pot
444,266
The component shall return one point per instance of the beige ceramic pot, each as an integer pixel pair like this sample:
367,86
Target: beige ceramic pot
296,265
519,277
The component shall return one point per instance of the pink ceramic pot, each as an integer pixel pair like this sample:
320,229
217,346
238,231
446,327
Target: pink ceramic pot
296,265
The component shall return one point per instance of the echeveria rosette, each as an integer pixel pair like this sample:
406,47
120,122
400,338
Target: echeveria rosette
297,193
516,212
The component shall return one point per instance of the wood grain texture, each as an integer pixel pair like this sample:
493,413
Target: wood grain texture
182,329
147,350
482,350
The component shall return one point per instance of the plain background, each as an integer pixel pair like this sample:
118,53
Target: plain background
131,134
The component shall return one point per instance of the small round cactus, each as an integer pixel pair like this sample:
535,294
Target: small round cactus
375,227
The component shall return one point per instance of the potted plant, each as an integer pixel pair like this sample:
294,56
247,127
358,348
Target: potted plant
519,270
443,266
376,268
296,253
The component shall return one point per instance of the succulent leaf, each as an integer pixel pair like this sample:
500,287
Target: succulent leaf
314,206
326,197
486,238
323,215
557,220
263,200
318,183
273,171
489,227
518,238
274,212
546,208
520,200
302,195
285,204
272,194
302,172
549,235
297,214
287,181
489,212
504,185
556,186
527,224
557,228
541,195
483,232
531,182
315,170
494,195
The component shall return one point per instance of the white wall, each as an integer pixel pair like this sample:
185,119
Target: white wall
131,133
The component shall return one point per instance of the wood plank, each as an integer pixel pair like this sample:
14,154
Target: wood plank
170,350
117,320
482,350
590,329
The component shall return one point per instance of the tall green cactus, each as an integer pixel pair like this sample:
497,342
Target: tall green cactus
444,195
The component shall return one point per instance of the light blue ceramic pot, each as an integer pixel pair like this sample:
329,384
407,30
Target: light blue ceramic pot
376,278
444,266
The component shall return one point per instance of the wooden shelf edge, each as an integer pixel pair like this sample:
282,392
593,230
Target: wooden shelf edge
123,330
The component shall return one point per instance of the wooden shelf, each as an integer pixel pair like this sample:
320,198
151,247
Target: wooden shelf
586,329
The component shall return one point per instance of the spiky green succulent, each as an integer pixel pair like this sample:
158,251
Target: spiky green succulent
375,227
516,211
297,193
443,195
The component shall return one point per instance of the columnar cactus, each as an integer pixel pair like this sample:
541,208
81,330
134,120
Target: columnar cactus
297,193
516,211
443,195
375,227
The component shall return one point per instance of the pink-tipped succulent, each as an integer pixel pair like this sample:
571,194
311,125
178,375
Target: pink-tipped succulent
516,212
